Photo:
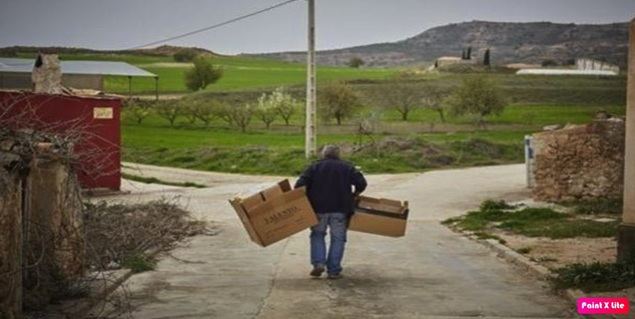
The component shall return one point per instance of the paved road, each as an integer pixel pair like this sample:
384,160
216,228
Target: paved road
430,273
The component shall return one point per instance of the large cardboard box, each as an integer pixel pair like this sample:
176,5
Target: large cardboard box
380,216
275,213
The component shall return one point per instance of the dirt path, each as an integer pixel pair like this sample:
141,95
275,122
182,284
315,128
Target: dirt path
430,273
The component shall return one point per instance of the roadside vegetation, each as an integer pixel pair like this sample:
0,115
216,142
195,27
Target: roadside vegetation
548,230
531,222
534,222
596,277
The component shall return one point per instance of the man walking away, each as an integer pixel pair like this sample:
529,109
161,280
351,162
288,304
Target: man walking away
329,185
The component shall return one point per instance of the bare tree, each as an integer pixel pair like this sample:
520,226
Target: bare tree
338,101
187,107
204,111
138,110
400,94
241,115
367,126
169,110
222,110
433,100
478,97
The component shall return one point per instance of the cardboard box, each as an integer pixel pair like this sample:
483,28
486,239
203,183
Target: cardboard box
380,216
275,213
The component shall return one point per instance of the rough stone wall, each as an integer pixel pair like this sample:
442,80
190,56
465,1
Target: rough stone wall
55,234
41,232
56,202
580,162
10,245
47,74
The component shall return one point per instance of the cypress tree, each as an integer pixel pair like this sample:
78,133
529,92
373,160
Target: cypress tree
486,60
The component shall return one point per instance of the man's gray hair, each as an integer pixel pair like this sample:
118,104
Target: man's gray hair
331,151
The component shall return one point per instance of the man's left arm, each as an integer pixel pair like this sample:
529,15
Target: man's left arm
359,182
305,178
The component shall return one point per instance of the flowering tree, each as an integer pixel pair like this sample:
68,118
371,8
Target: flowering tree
266,109
282,102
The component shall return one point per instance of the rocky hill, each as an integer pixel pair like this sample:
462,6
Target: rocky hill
164,50
509,43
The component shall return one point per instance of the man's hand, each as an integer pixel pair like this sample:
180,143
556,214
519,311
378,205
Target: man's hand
355,198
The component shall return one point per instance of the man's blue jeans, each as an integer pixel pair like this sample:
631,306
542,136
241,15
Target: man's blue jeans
337,224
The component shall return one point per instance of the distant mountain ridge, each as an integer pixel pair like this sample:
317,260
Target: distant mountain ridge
509,42
164,50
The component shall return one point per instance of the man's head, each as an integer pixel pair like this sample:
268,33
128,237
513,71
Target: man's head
331,152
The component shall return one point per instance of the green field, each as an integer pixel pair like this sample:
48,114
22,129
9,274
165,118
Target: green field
280,149
240,73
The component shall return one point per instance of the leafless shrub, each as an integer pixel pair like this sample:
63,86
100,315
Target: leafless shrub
117,231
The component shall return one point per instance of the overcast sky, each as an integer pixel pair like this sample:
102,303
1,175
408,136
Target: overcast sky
120,24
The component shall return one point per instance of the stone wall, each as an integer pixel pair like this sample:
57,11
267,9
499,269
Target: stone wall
41,232
55,213
579,162
10,245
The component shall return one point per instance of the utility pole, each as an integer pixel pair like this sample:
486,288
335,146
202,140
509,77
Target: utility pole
626,232
310,147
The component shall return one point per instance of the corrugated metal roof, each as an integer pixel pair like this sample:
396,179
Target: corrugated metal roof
566,72
77,67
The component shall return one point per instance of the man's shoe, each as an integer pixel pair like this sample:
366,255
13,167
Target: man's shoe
317,271
334,276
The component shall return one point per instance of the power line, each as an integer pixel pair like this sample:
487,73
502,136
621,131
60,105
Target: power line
214,26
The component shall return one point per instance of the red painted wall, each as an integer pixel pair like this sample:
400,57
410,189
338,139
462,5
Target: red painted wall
97,119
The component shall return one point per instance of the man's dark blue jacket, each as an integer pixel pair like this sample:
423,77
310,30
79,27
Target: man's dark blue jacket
329,185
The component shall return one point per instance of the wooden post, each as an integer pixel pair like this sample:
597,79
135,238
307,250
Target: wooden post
129,86
626,234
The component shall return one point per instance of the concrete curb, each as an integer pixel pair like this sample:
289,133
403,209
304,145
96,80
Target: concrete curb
517,259
542,272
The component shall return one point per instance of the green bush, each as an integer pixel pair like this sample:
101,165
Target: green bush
597,206
491,204
139,263
202,74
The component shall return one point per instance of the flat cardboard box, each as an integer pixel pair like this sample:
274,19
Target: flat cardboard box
275,213
380,216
